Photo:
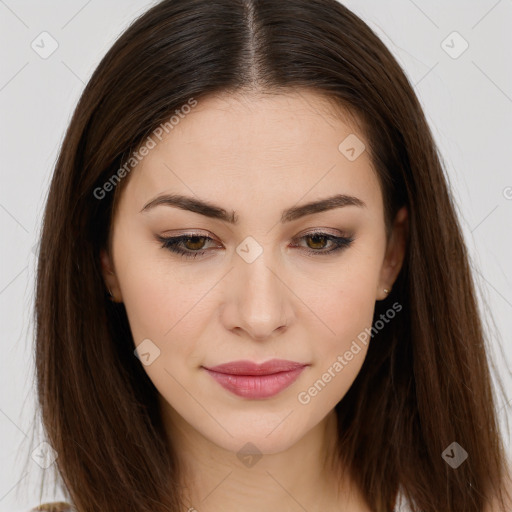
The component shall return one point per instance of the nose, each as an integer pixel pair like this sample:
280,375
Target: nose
259,305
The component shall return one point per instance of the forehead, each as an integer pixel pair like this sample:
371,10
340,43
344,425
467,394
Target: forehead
254,122
244,147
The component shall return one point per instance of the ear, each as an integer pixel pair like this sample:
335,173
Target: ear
109,276
395,253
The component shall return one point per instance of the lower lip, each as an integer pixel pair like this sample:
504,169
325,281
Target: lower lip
256,386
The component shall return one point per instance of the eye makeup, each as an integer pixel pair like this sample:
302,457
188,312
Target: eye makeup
196,242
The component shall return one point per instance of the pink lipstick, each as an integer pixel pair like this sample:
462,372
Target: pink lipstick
251,380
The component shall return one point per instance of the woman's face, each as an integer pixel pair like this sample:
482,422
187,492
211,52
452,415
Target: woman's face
263,287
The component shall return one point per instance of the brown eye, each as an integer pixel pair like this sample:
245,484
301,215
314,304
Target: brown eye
194,243
188,246
191,246
317,241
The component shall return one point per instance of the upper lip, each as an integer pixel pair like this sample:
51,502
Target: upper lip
252,368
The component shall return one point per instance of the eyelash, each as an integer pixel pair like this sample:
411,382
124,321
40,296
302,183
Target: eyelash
172,244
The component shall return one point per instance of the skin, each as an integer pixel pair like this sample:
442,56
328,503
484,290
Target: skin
258,156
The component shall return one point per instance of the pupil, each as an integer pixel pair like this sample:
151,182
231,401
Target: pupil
194,240
316,238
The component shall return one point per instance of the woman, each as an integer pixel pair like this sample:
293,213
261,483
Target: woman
253,291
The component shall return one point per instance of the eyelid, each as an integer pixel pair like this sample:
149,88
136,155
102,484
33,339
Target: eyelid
310,231
324,231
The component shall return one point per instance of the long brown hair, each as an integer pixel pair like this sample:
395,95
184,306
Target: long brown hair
425,382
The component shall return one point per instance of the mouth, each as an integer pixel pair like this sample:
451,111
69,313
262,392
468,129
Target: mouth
255,381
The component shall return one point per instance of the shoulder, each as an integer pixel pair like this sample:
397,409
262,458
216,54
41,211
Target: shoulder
56,506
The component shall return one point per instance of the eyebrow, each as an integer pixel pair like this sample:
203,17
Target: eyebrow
216,212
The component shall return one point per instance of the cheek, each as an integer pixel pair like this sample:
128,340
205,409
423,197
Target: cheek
151,313
164,307
161,313
352,308
347,303
341,350
349,315
169,319
346,309
155,298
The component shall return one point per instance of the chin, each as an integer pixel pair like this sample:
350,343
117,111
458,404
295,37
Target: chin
268,432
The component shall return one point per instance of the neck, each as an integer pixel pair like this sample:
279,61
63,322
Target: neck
305,476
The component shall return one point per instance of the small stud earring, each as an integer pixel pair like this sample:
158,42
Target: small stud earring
386,291
110,293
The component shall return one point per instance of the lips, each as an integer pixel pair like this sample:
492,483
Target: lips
252,380
250,368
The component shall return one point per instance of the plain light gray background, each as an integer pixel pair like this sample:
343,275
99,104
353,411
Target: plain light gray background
467,99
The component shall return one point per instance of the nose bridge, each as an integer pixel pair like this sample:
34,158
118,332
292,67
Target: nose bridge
260,296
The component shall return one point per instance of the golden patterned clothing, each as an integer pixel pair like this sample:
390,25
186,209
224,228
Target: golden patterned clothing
56,506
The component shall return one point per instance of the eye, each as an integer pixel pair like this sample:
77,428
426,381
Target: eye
195,243
320,239
192,245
